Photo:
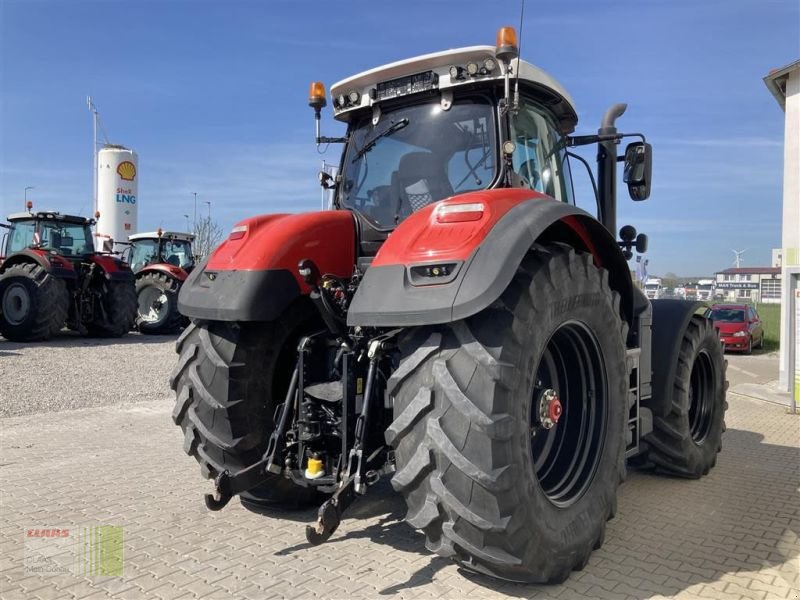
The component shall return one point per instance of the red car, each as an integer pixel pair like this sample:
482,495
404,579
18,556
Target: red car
739,326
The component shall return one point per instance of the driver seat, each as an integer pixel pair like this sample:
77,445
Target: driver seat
419,180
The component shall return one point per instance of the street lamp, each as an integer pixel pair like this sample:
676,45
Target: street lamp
195,208
187,223
209,209
30,187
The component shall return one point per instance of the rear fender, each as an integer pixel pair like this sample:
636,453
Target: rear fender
484,256
52,263
113,268
670,320
254,277
166,269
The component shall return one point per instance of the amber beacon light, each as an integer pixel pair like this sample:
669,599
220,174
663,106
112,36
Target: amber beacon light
316,95
507,47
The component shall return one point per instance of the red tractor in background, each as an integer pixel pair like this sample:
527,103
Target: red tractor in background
457,322
161,260
51,277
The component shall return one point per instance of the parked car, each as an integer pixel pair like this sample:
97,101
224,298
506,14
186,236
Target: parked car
739,326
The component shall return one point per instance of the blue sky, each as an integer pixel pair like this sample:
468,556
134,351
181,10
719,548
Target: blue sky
213,97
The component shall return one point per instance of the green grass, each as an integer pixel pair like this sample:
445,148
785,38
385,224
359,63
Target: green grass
771,318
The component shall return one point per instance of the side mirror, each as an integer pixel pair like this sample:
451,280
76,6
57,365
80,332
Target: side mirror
638,170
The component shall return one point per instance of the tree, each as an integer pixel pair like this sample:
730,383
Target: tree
207,235
671,280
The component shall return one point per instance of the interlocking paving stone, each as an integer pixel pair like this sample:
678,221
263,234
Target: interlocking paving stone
733,534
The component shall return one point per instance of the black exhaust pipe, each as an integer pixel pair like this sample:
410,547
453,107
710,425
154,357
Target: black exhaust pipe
607,168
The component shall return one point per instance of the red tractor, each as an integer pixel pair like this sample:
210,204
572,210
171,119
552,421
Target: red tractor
457,322
51,276
161,260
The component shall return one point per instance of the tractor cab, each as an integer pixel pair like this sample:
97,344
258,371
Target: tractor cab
161,247
444,124
51,233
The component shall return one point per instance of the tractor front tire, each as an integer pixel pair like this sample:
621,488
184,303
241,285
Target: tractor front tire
119,302
687,440
483,477
157,300
229,380
33,303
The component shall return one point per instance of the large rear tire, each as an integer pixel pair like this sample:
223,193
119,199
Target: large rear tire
119,304
157,300
482,477
229,380
33,304
687,440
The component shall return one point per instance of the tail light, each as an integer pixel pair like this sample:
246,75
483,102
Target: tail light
459,213
238,232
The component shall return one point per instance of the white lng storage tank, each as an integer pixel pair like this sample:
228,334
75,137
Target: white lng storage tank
117,195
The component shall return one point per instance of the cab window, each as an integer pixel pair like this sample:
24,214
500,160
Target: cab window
178,253
416,155
537,159
65,238
144,252
21,236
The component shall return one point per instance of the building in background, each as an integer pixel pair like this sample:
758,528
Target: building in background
784,84
749,284
777,257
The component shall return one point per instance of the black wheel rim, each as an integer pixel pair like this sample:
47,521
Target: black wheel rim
566,456
701,397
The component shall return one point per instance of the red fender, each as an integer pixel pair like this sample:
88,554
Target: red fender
252,276
421,238
113,267
442,265
58,265
166,268
274,242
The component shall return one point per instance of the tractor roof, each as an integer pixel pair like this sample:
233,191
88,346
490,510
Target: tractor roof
48,215
366,84
170,235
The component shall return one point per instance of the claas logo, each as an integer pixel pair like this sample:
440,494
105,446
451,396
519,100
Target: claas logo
51,533
126,170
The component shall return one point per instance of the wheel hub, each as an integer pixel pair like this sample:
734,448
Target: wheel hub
152,305
16,304
568,413
550,408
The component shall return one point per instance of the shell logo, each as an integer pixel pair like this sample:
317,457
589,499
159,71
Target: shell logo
126,170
